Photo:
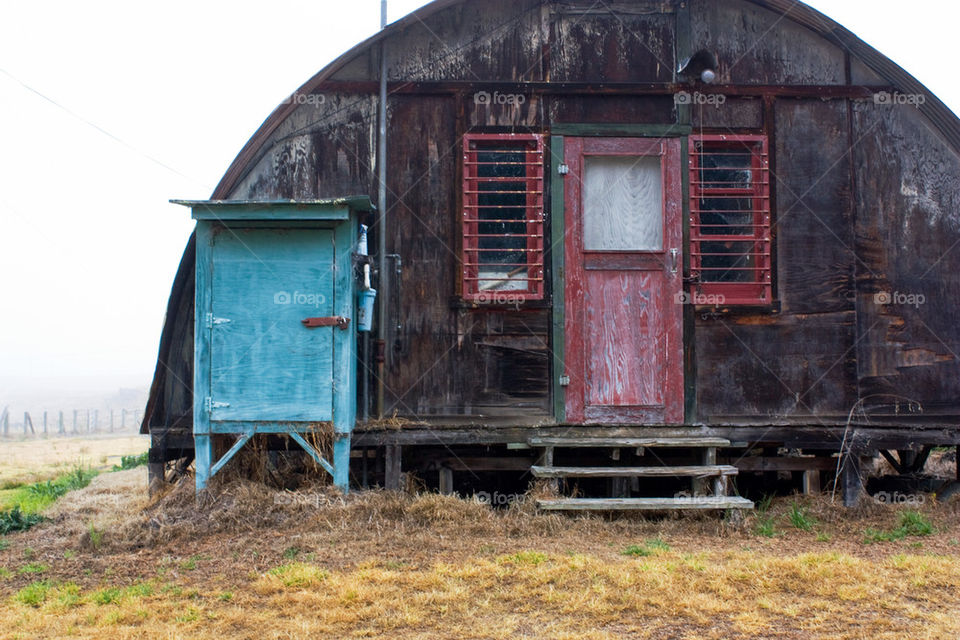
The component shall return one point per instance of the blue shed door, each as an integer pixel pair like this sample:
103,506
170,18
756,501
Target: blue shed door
265,365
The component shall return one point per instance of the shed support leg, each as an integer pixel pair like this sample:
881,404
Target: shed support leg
811,482
851,480
446,481
341,461
204,460
156,464
707,457
391,479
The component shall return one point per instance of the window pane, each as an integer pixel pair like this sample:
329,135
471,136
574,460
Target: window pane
501,247
622,203
725,216
727,262
726,169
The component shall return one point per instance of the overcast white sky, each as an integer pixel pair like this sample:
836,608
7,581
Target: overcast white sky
89,243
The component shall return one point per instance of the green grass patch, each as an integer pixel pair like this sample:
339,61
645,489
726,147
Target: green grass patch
107,595
298,574
33,567
526,558
16,520
131,462
912,524
799,519
649,548
34,594
22,506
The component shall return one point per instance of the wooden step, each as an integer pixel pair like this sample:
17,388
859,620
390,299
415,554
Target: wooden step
696,471
692,441
645,504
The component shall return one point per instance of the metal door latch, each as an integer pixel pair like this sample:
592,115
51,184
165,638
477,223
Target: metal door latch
328,321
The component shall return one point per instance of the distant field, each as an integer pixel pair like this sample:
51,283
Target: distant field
39,459
246,561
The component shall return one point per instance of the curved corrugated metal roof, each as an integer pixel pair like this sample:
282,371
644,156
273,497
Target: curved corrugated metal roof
942,118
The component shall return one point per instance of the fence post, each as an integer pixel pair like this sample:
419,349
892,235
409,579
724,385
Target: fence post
75,412
44,423
96,420
5,419
111,420
27,423
123,419
60,428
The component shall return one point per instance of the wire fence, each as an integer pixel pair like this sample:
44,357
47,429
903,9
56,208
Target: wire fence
69,422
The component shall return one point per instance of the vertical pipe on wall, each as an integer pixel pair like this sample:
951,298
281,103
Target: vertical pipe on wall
382,206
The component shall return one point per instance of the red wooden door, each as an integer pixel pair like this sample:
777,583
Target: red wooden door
623,281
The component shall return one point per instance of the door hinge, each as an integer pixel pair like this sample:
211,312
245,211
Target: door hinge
212,321
563,169
211,405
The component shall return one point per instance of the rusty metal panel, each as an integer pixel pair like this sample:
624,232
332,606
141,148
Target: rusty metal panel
755,45
908,234
604,43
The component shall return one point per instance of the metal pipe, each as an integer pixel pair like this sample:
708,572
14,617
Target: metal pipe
382,206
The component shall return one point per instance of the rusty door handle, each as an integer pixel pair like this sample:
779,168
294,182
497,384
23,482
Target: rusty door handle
328,321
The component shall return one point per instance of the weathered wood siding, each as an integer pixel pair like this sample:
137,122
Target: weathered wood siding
865,202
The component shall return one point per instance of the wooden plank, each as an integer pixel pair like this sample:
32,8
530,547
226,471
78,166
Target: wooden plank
645,504
633,472
426,88
692,441
557,227
393,467
762,463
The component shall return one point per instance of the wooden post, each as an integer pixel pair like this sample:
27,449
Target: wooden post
364,470
44,423
851,479
60,428
27,423
123,419
156,465
5,419
75,412
707,457
392,471
111,420
96,419
446,481
811,482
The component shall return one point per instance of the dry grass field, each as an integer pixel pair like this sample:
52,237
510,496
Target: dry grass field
246,561
35,460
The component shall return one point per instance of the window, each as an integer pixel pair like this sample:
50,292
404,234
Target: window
502,218
730,260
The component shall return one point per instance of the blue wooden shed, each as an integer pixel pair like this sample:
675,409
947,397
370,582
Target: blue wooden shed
275,335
